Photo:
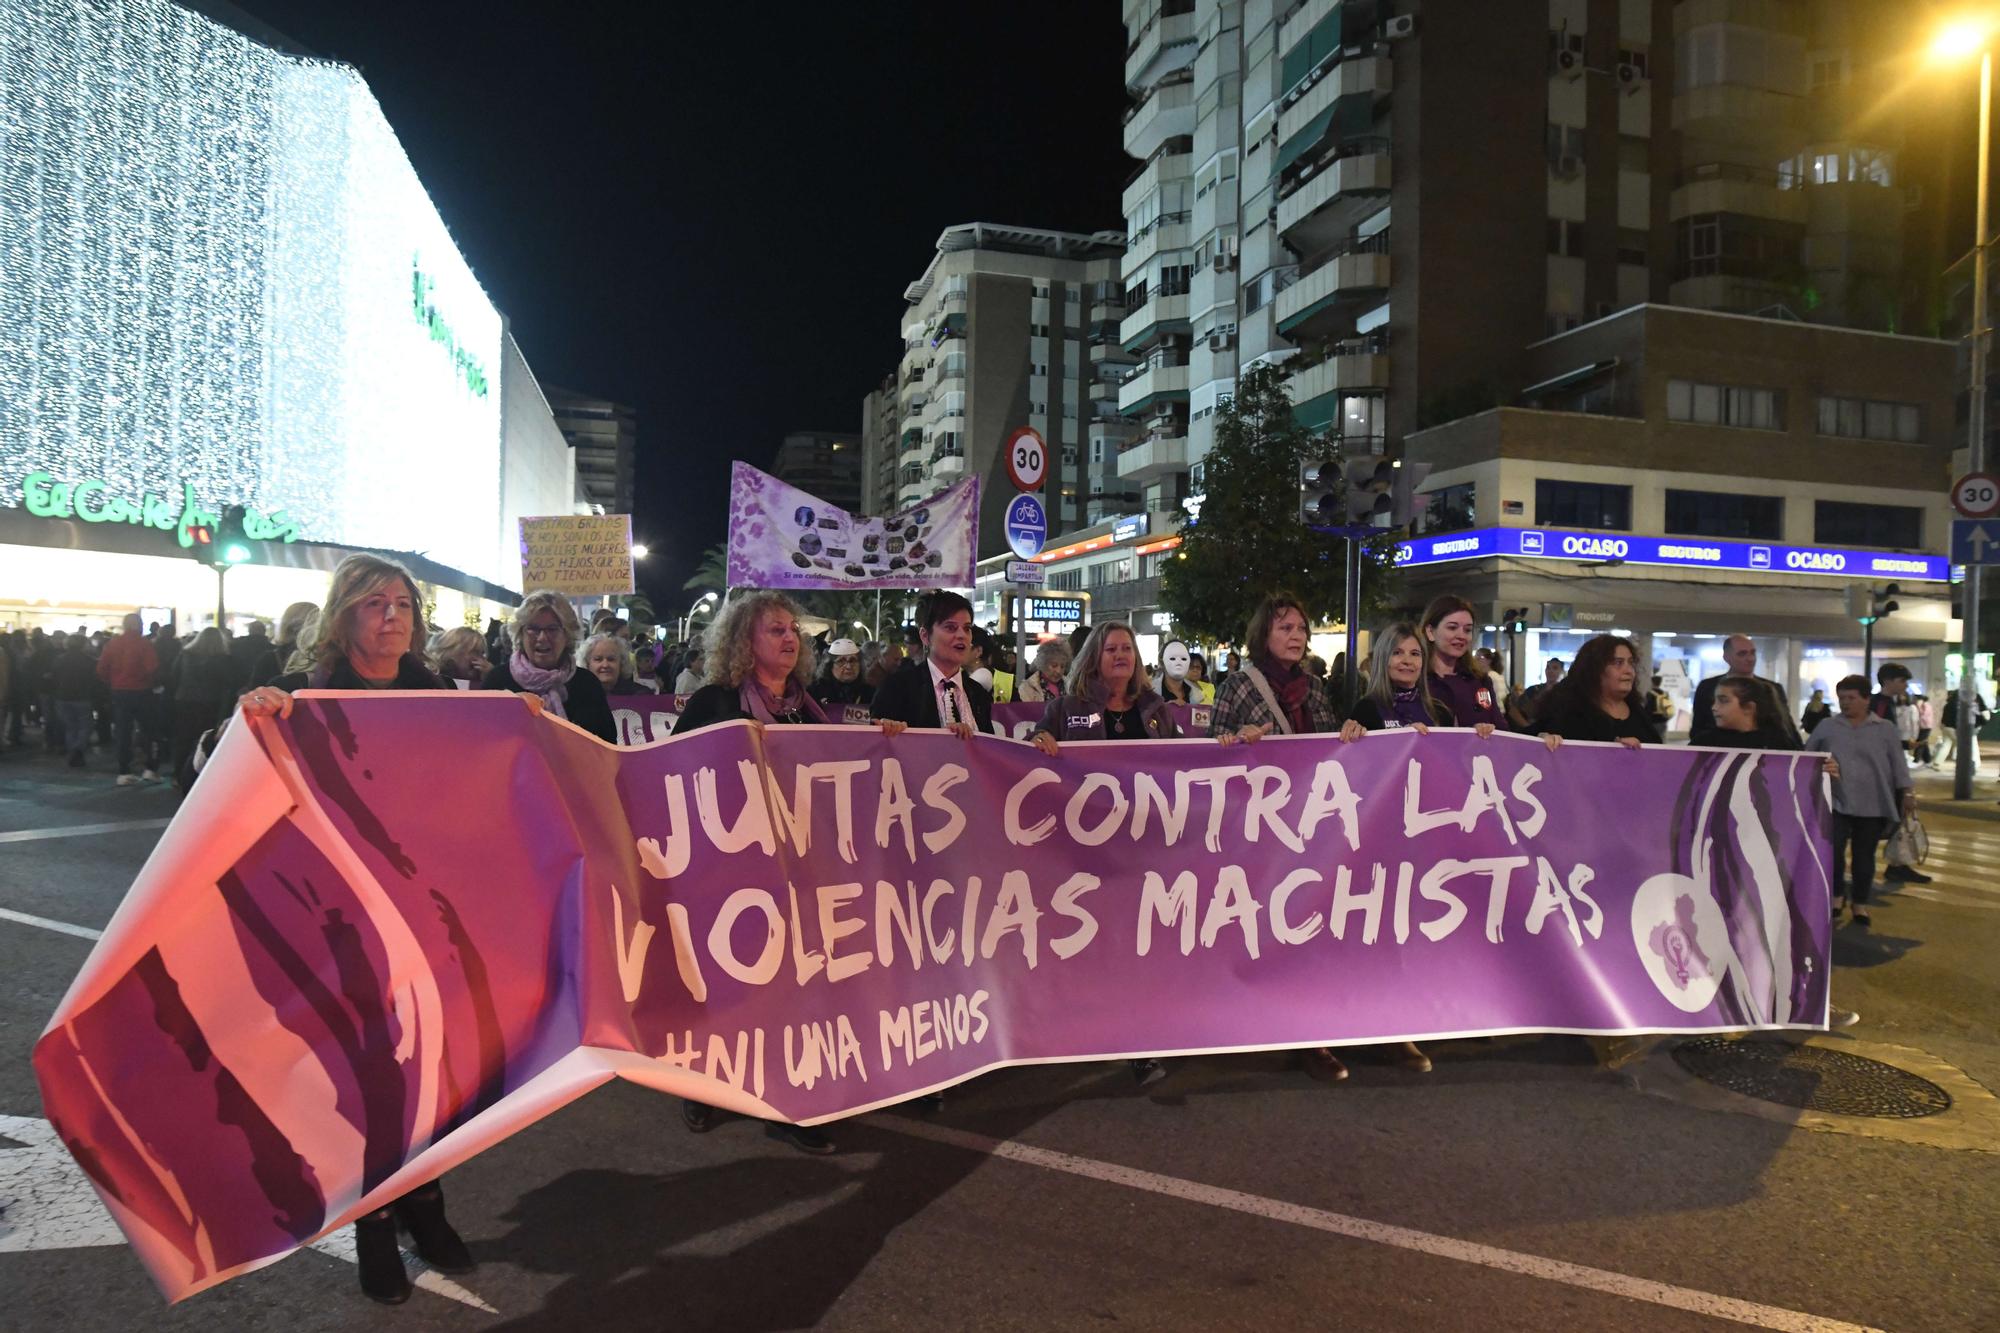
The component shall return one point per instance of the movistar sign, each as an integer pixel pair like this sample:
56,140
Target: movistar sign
1678,552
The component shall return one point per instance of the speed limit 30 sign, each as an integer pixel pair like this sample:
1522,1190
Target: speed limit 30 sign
1976,495
1027,459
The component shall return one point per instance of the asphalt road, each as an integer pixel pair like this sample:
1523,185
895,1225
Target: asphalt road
1520,1186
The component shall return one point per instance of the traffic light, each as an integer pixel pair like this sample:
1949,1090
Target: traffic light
201,542
1319,492
232,545
1371,484
1515,619
1866,606
1403,493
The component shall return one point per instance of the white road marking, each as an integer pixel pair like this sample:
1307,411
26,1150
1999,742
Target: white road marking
81,830
1381,1233
47,1203
1930,895
60,927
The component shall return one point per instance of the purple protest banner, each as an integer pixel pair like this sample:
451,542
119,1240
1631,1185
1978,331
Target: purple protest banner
331,982
783,537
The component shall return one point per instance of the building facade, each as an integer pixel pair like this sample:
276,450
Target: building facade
604,438
299,335
881,420
1008,327
826,463
1681,476
1395,200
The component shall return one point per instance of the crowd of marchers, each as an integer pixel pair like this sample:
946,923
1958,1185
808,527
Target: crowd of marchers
162,701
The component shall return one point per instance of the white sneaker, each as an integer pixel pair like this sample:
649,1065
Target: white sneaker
149,776
127,780
1837,1017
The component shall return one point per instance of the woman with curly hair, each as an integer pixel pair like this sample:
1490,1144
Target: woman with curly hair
609,658
759,667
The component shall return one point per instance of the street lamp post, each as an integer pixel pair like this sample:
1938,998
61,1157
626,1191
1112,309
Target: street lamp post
1968,685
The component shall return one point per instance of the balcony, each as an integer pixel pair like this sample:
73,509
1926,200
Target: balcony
910,492
1164,44
1328,203
1318,303
1170,232
1147,181
1297,25
1167,114
1725,187
1367,76
1154,457
912,441
1356,366
947,468
1160,314
1149,384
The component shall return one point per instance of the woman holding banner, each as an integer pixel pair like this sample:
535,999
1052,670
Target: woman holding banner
1396,699
1599,700
1106,701
759,664
1273,692
1396,695
1456,678
544,632
366,640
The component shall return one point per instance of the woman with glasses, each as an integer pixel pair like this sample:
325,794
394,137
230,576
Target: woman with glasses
545,632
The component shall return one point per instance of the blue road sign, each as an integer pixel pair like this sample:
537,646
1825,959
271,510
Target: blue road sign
1027,526
1975,541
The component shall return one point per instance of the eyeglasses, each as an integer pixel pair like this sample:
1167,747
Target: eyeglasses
540,631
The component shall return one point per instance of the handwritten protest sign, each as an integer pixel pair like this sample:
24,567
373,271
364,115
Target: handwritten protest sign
578,555
330,983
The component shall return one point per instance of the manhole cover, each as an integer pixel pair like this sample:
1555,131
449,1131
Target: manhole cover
1812,1078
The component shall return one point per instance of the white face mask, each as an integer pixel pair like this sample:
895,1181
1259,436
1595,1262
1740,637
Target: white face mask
1174,660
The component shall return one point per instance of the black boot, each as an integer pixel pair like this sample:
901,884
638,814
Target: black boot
383,1277
421,1212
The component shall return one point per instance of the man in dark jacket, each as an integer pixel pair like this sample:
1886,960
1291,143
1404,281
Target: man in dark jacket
72,683
1740,653
938,693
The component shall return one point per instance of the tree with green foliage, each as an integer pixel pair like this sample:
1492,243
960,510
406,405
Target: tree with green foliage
712,574
1249,540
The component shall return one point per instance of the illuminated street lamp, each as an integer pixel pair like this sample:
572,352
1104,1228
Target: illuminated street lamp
1955,42
705,602
639,550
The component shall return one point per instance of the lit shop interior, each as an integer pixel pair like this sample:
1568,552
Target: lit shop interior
1540,606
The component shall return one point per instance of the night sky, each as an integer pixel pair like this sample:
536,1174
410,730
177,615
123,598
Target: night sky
710,211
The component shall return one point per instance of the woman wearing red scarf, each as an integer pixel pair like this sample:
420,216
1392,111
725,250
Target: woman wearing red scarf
1274,693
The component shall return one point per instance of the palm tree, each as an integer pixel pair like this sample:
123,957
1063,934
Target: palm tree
712,574
639,610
